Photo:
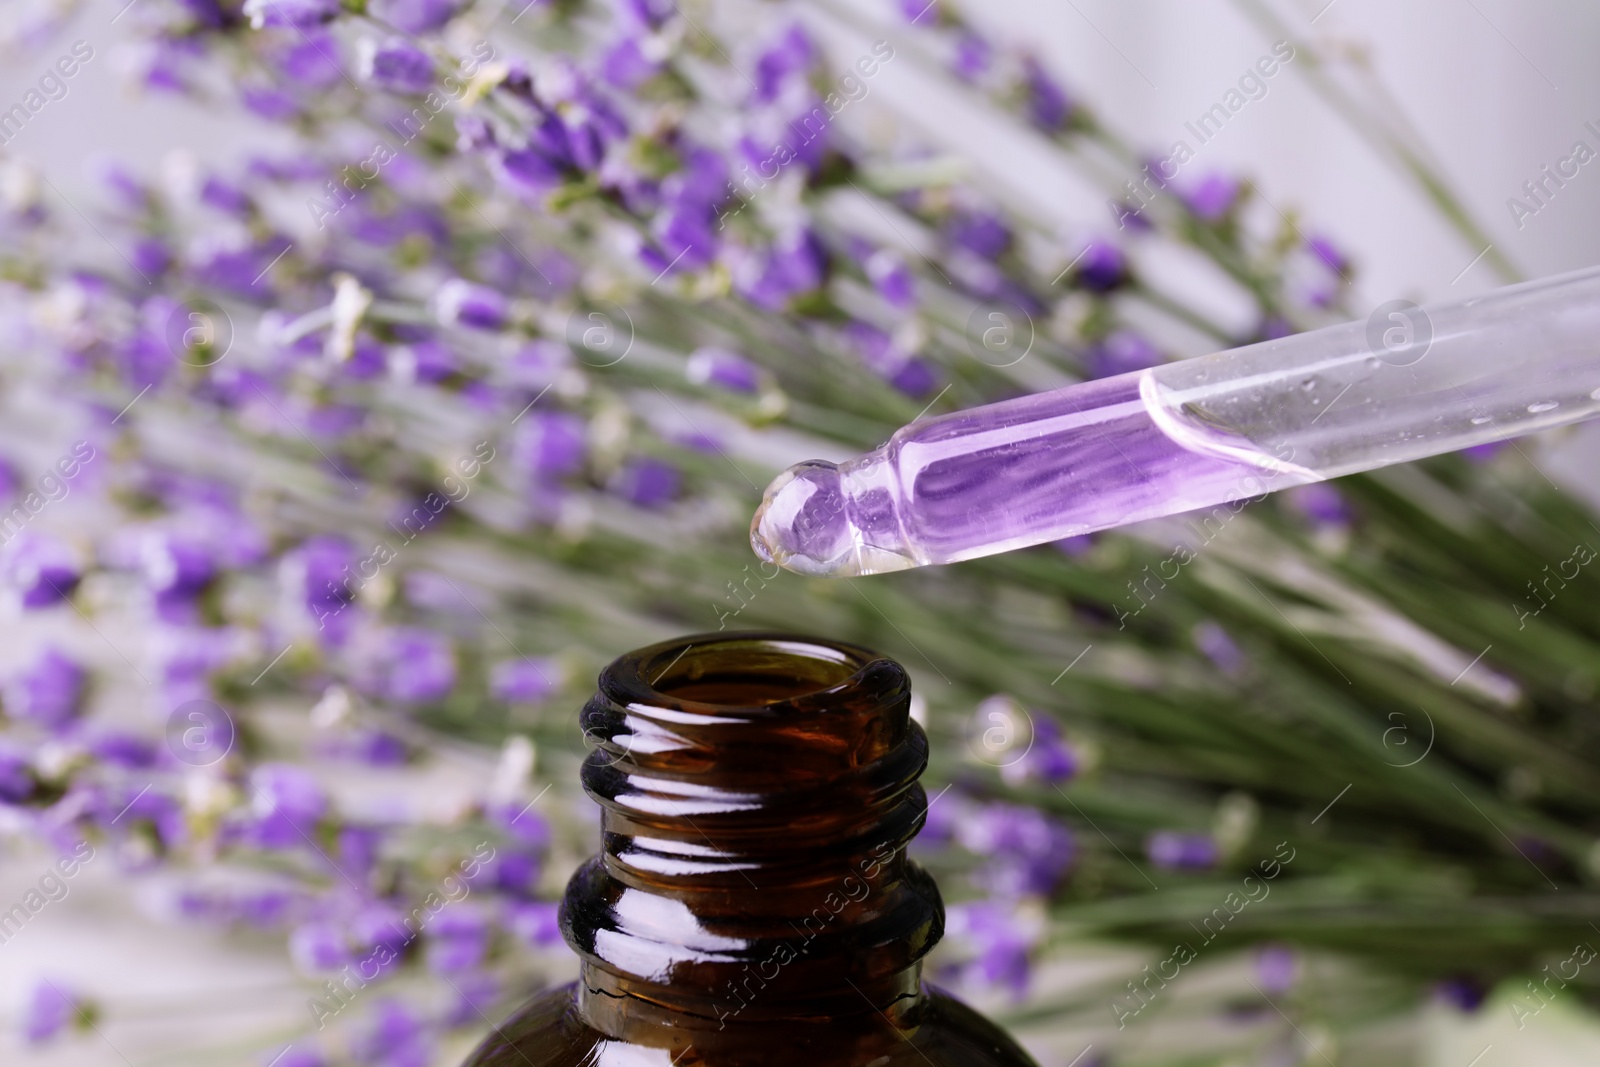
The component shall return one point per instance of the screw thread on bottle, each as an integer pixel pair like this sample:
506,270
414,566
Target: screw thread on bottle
757,795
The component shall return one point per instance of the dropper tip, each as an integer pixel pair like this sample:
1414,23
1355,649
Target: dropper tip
803,526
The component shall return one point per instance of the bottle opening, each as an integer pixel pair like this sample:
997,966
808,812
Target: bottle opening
749,671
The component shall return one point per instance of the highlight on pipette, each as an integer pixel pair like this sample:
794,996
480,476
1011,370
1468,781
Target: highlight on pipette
802,526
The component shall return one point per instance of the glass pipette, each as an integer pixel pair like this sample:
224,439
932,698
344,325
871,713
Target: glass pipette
1408,382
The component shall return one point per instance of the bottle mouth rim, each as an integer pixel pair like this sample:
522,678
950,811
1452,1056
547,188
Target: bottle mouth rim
739,671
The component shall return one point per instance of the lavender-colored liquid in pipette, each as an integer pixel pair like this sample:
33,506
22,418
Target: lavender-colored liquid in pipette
1023,472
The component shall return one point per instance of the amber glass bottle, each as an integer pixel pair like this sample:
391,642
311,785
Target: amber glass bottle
752,904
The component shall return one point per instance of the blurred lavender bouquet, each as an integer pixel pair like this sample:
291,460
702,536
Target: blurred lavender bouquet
337,465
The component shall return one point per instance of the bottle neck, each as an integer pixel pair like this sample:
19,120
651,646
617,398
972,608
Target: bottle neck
757,795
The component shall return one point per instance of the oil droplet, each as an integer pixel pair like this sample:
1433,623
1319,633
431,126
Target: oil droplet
1309,384
1542,406
1481,419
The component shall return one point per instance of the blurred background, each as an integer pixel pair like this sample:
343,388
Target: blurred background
566,324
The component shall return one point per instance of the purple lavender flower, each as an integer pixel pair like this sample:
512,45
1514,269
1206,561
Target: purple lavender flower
391,1035
175,564
427,361
1131,216
684,239
701,177
1327,253
299,13
1485,452
536,365
236,267
973,56
645,14
50,1009
317,948
1320,503
1212,197
892,278
462,303
794,53
145,358
1002,944
1463,992
1276,968
366,222
367,359
796,130
1077,545
524,681
319,573
1314,273
796,263
49,692
1273,327
207,13
312,61
549,444
378,923
587,122
1217,646
358,848
1178,851
225,197
40,570
517,871
536,923
983,233
395,64
1102,268
124,187
268,102
412,666
720,367
888,360
532,167
647,482
626,66
151,257
288,804
264,909
1045,102
1048,759
116,748
942,819
458,939
16,776
521,822
1121,352
185,657
1029,851
379,748
474,133
921,12
375,747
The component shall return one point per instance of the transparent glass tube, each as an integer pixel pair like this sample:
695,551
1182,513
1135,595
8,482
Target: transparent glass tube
1407,383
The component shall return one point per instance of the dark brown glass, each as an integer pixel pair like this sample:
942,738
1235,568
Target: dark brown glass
752,903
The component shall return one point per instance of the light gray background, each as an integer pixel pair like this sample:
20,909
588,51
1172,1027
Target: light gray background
1496,89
